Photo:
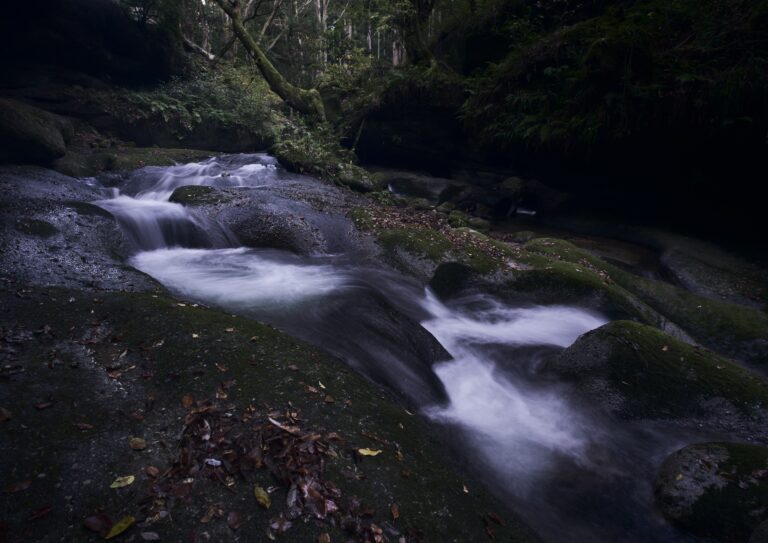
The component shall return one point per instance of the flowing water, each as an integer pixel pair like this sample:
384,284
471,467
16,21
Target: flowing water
573,475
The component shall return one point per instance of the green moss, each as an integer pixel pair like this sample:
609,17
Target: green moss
192,195
36,227
657,375
85,163
418,241
362,218
736,330
458,219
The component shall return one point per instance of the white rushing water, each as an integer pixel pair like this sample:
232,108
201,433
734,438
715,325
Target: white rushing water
240,278
518,428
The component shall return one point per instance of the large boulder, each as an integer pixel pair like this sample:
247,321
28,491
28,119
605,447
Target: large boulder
29,134
636,372
716,490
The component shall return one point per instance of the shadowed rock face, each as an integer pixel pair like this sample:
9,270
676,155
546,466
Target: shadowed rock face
52,236
31,134
716,490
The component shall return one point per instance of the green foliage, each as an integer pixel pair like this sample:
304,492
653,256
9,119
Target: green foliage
620,70
227,95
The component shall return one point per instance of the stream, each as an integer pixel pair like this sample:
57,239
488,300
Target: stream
471,366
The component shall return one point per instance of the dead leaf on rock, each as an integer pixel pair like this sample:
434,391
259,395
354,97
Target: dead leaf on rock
43,405
187,400
40,512
329,399
152,471
324,538
369,452
18,486
120,526
233,520
82,426
229,330
120,482
262,497
138,444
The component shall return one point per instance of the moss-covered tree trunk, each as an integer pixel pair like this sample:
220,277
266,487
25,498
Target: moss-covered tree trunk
306,101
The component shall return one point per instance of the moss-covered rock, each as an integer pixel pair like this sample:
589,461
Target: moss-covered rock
29,134
734,330
638,372
79,162
716,490
300,157
120,365
192,195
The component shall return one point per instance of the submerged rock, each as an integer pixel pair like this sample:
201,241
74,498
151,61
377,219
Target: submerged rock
716,490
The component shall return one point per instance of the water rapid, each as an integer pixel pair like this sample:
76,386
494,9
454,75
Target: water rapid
470,366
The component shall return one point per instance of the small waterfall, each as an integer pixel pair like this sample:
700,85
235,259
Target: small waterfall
151,222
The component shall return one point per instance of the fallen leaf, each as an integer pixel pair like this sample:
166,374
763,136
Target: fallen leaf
221,367
40,512
395,510
233,520
5,414
43,405
150,536
120,526
321,384
293,367
187,400
82,425
229,330
18,486
152,471
99,523
369,452
324,538
262,497
665,348
120,482
329,399
465,489
495,518
138,444
195,336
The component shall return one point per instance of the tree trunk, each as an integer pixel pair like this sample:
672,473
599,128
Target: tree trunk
302,100
412,23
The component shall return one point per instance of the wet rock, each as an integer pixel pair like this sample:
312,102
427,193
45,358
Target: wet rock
733,330
29,134
636,372
51,234
192,195
716,490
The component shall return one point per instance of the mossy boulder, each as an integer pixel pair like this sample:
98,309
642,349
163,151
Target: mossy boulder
298,158
29,134
89,162
737,331
635,371
192,195
716,490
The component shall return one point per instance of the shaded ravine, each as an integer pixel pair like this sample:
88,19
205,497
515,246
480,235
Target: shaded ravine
471,366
